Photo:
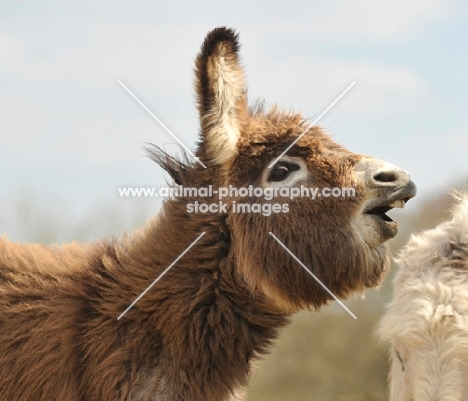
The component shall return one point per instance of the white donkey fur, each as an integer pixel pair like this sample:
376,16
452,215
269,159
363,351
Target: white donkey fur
427,320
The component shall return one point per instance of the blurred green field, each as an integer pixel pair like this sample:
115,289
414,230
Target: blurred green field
324,355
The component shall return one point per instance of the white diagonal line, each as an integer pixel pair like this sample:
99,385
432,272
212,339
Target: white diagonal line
162,274
311,125
312,274
160,122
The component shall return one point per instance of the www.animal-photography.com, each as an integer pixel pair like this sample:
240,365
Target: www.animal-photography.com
258,201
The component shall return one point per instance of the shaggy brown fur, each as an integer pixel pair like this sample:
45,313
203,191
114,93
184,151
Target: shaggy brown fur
194,335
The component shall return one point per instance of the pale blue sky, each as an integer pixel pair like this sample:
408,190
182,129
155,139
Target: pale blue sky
70,135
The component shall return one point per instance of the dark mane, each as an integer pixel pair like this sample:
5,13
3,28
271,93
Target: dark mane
180,170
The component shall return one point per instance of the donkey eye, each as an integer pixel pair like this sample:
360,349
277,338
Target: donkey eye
281,171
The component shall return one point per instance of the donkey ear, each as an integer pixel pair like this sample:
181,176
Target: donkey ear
221,95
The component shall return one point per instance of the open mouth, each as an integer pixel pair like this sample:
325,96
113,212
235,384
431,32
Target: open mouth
381,211
377,227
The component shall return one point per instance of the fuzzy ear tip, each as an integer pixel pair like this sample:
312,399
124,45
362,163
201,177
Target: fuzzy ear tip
219,35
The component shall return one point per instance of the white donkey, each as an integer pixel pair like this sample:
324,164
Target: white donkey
427,321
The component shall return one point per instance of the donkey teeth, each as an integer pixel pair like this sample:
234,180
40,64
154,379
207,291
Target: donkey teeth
392,225
400,204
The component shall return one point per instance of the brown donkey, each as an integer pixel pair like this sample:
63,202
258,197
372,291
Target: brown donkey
196,333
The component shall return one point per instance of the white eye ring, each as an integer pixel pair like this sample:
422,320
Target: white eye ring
296,174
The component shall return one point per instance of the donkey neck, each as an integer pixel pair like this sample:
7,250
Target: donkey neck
210,260
201,311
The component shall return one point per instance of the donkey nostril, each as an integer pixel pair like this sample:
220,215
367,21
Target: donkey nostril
386,176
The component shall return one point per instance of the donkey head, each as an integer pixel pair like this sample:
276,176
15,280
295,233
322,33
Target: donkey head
339,238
